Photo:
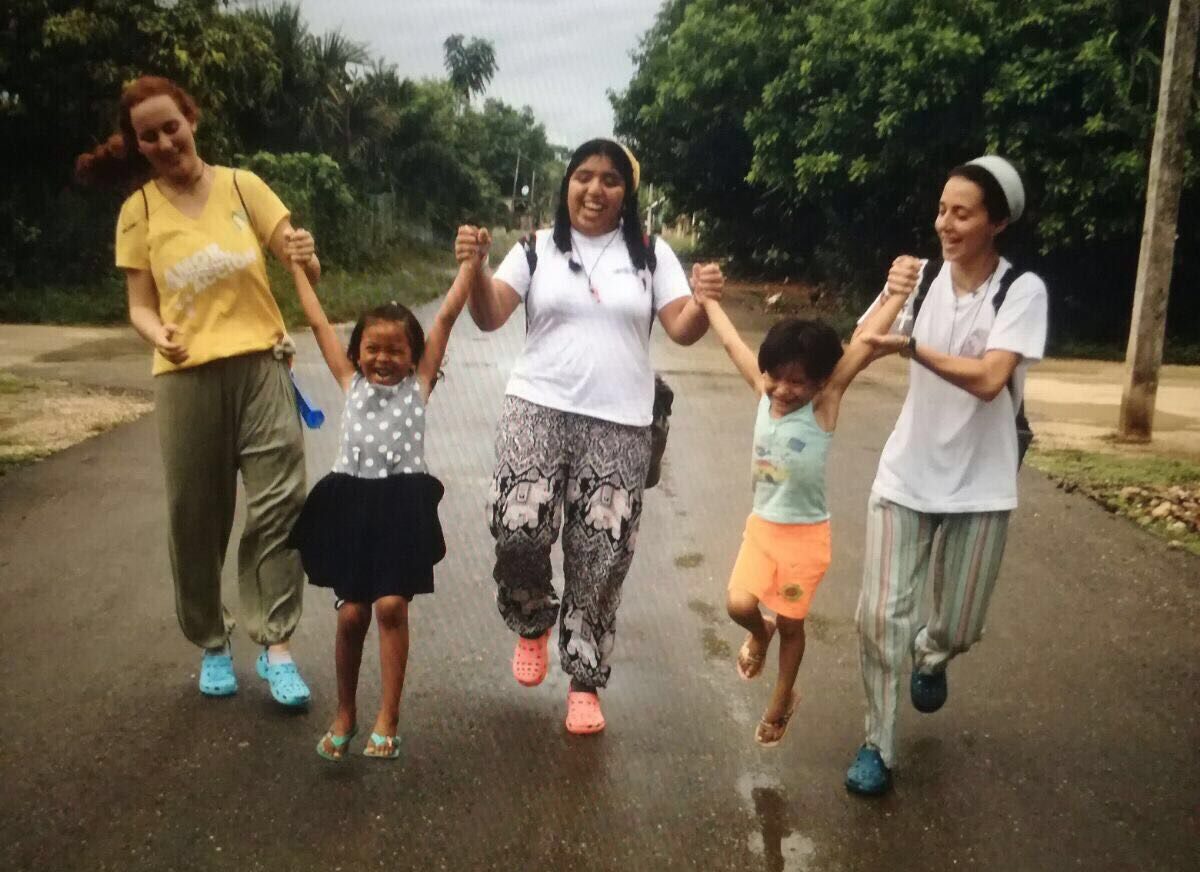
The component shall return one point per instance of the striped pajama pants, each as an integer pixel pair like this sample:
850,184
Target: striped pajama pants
962,552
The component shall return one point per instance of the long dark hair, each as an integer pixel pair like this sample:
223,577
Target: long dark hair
631,224
116,162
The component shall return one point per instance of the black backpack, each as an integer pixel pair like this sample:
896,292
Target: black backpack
928,274
664,397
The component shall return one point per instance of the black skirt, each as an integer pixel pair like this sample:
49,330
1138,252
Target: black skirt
368,538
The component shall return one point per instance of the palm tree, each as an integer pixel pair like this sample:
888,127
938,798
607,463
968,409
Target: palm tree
471,64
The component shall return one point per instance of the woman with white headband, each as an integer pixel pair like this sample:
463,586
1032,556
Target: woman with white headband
947,479
574,436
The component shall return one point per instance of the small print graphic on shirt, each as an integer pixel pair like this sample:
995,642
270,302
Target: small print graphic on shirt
765,469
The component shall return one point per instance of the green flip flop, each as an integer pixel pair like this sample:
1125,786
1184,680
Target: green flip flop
339,744
383,747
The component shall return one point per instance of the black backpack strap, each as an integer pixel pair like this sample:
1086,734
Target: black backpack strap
529,243
651,257
929,272
1006,280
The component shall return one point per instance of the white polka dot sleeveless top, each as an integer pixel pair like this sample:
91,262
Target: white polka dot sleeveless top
383,429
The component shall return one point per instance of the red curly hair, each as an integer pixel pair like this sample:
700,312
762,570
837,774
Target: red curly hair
116,162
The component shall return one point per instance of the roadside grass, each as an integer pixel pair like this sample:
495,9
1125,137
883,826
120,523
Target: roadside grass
1158,493
41,416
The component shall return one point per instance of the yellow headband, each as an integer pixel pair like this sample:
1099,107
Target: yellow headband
637,168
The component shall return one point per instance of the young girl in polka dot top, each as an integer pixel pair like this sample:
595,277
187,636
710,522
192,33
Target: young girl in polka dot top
370,528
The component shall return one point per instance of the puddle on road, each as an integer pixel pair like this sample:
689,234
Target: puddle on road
782,847
96,349
704,609
715,648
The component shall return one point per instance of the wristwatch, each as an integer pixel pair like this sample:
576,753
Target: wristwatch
910,348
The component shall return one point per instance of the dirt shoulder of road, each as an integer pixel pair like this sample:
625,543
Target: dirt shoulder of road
62,385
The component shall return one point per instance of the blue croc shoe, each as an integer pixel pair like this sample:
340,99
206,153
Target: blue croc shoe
287,686
868,776
928,692
216,674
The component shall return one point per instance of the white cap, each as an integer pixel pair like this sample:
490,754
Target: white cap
1008,178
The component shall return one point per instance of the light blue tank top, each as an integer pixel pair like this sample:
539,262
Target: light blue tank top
788,466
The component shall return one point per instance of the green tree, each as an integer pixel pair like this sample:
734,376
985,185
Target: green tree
471,64
839,119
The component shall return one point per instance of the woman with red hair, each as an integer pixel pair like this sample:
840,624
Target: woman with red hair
190,238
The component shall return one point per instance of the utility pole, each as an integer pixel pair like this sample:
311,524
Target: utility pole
516,169
1148,328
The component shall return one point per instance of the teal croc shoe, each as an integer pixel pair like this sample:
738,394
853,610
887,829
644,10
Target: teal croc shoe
868,775
333,747
216,675
287,686
928,692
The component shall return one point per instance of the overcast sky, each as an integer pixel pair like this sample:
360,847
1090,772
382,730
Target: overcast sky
557,56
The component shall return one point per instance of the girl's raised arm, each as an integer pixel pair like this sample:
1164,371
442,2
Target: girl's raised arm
739,352
327,340
902,280
439,334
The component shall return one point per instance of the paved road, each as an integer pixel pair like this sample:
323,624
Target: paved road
1069,740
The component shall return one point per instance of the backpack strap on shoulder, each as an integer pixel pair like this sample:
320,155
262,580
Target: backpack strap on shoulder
929,272
1006,280
245,208
528,243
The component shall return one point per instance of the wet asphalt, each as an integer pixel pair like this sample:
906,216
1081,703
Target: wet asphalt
1069,740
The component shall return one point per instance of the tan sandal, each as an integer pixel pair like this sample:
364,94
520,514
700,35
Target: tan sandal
750,665
781,724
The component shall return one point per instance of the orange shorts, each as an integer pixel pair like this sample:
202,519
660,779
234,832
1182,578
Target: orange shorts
782,564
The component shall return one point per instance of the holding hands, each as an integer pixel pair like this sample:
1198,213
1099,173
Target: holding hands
707,282
299,246
901,281
471,245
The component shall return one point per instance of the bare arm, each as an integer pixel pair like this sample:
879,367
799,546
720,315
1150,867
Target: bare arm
327,340
684,320
143,315
983,378
901,282
739,352
490,302
439,334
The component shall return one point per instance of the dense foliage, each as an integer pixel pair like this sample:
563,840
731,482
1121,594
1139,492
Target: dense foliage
813,136
352,146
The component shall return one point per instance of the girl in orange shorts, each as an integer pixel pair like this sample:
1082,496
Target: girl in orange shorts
799,375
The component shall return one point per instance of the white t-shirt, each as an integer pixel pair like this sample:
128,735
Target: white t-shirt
950,451
590,353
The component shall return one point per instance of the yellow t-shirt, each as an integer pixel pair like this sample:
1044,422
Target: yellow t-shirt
210,271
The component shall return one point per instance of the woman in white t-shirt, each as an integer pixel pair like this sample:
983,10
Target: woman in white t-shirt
947,479
574,433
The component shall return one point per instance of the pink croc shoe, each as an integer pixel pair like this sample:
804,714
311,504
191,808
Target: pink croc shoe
583,713
531,659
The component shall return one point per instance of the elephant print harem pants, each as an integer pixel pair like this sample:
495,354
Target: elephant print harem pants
547,460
